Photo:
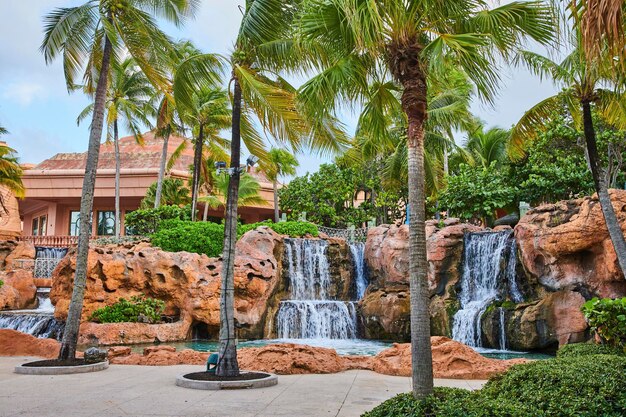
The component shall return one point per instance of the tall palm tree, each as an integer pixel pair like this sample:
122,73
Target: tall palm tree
128,100
279,162
174,193
405,42
585,85
210,115
87,37
263,48
486,146
186,62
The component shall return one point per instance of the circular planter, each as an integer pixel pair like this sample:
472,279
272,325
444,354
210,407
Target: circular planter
267,381
61,370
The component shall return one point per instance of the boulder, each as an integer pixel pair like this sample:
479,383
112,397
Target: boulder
288,358
451,359
14,343
385,314
94,355
117,351
105,334
566,246
23,250
6,247
19,290
162,357
188,283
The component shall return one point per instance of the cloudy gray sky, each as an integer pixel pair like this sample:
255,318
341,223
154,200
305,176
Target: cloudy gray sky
41,116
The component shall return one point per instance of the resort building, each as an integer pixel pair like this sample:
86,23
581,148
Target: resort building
50,211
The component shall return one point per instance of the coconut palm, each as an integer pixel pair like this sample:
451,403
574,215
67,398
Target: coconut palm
585,86
406,42
174,193
279,162
484,147
186,65
248,195
87,37
129,101
263,48
10,171
210,115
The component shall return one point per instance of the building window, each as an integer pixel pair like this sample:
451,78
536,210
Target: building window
74,223
39,225
106,223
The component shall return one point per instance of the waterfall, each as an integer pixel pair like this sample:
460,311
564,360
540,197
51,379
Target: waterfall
38,325
357,250
46,259
502,329
484,254
309,313
50,253
511,274
39,322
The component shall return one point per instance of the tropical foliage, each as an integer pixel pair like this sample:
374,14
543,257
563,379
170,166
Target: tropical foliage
174,193
249,192
607,317
10,171
138,309
144,222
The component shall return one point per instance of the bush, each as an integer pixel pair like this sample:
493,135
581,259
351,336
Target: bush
607,317
584,386
137,309
208,238
196,237
148,221
585,349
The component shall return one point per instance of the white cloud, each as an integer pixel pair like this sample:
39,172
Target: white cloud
24,93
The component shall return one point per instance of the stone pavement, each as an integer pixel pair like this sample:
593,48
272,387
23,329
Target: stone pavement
125,390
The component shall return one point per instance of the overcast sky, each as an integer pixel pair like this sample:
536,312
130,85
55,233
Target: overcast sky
41,116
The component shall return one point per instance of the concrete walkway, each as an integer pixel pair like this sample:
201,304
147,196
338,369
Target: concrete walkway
124,390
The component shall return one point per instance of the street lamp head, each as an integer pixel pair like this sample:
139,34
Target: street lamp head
220,165
252,160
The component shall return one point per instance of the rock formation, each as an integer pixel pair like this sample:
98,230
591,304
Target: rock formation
19,290
450,360
14,343
385,307
188,283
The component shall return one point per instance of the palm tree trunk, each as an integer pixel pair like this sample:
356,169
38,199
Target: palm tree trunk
72,323
599,180
227,364
118,167
276,209
159,189
197,162
205,215
414,105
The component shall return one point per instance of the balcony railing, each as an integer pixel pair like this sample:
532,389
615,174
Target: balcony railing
53,241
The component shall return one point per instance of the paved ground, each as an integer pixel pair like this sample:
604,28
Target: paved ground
125,390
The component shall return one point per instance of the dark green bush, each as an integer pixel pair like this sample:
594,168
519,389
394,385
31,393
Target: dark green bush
584,386
137,309
585,349
195,237
208,238
146,222
607,317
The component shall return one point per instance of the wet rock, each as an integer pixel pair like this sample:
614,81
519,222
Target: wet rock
94,355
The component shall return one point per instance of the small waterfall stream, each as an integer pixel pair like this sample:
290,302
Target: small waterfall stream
357,250
310,313
39,322
488,275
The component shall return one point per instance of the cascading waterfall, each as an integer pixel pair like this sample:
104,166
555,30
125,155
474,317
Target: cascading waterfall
309,313
511,267
483,270
357,251
46,259
502,329
39,322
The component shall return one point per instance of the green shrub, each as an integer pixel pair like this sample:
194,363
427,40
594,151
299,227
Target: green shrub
137,309
584,386
607,317
1,283
196,237
148,221
585,349
208,238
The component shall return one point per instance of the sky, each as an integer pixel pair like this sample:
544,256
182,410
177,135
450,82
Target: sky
41,115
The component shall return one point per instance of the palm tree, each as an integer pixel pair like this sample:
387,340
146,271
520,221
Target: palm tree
210,115
263,48
279,162
586,85
87,37
186,62
128,99
411,41
10,171
248,195
486,146
174,193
